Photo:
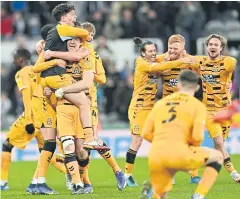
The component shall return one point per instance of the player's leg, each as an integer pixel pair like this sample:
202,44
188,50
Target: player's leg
213,160
106,153
83,158
16,137
219,132
137,119
5,164
66,120
49,147
78,99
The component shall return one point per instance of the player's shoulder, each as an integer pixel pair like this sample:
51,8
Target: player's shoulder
197,103
24,71
230,60
161,57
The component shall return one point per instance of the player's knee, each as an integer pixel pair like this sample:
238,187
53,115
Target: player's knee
68,144
83,162
215,165
7,147
49,145
70,157
219,157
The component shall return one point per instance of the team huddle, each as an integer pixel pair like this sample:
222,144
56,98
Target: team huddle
60,110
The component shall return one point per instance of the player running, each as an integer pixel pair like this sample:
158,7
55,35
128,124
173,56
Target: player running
175,127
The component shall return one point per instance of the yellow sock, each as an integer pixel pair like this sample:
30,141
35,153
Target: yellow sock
110,160
193,173
6,161
209,177
88,133
58,165
84,174
73,171
130,159
83,169
228,165
128,168
44,160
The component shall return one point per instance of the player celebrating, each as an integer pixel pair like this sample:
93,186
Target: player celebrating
175,127
216,72
143,99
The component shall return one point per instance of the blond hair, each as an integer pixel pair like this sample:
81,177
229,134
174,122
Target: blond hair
176,38
222,39
89,27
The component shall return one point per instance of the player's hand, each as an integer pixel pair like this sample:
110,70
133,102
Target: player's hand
61,63
47,92
189,60
59,93
40,46
30,129
47,54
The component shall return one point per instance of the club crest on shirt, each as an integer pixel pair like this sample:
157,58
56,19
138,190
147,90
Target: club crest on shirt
49,121
136,128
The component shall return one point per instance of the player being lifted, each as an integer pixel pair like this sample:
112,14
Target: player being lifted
27,126
56,41
175,127
99,77
143,98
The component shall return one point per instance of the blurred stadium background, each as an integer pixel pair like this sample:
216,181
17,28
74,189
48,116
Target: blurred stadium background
116,24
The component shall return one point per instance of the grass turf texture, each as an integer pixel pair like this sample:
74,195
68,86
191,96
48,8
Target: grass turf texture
104,182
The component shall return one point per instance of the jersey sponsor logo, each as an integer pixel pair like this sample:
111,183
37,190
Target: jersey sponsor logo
208,78
172,82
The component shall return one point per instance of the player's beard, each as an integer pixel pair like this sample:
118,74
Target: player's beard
213,55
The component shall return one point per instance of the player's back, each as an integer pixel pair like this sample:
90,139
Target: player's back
174,118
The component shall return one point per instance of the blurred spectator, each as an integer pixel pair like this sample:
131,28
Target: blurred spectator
18,6
5,107
111,29
6,23
98,20
190,21
19,24
128,25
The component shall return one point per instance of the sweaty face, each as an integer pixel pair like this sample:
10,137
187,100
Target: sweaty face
175,50
150,52
74,44
70,18
214,48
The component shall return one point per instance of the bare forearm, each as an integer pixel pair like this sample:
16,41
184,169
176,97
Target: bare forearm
70,56
77,87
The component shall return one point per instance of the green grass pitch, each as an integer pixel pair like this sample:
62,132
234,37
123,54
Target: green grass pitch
104,182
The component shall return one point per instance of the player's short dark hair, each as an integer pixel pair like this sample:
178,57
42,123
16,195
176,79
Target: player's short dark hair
139,42
22,53
45,29
188,78
61,10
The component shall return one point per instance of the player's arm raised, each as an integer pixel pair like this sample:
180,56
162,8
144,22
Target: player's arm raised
198,126
66,31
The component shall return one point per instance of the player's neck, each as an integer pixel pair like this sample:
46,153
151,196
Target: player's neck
214,58
26,63
187,92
